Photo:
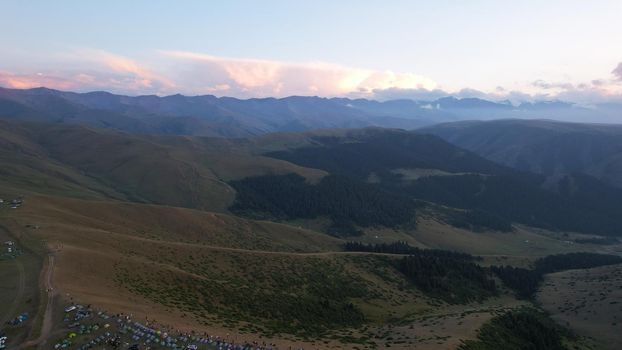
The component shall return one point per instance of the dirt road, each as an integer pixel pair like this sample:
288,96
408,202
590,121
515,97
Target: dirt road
46,327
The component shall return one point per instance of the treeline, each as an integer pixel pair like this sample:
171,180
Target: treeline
525,282
570,261
521,198
447,275
519,329
441,276
404,248
598,240
347,202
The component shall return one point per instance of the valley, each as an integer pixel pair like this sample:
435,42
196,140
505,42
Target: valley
246,239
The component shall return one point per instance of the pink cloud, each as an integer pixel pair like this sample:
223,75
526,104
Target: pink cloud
28,81
192,73
92,70
251,77
122,70
170,72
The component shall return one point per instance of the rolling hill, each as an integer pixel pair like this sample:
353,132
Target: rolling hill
371,171
246,236
542,146
79,161
260,279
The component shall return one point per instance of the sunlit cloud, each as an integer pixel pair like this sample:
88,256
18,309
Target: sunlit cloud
191,73
170,72
90,70
29,81
585,93
130,74
252,77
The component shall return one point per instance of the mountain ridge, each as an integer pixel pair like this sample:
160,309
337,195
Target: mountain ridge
547,147
208,115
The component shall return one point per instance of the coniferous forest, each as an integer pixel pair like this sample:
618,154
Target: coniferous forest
492,196
404,248
445,277
519,330
345,201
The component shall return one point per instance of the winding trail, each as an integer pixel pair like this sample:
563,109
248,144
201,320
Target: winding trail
46,327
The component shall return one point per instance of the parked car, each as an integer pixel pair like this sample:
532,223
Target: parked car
70,308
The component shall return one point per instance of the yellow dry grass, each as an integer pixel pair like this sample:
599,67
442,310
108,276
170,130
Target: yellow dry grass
94,238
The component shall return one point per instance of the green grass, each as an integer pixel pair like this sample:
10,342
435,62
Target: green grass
19,289
268,294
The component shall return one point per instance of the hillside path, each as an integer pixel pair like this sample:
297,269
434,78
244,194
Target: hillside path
46,327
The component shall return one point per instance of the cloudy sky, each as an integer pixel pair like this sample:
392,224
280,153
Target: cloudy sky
519,50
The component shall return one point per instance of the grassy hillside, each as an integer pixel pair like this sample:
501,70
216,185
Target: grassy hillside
588,301
177,262
72,160
192,268
26,168
192,172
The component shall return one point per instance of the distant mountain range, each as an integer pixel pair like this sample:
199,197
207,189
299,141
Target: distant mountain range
230,117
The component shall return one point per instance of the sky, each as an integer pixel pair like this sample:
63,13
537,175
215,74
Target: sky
517,50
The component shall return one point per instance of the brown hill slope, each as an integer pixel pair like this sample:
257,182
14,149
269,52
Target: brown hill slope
26,168
224,274
77,161
221,273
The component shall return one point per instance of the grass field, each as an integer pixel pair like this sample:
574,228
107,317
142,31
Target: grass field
261,280
587,301
236,275
81,162
19,290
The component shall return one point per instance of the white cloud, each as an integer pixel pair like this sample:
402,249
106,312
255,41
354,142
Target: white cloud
252,77
190,73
